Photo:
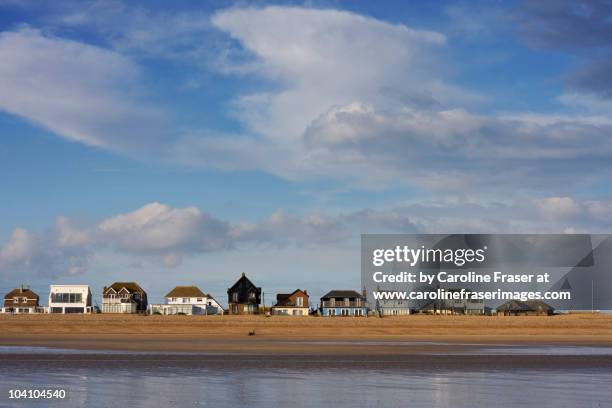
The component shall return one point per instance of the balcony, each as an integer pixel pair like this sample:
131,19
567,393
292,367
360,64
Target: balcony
342,303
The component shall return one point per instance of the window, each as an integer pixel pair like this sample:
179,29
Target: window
235,297
66,297
199,300
185,300
299,301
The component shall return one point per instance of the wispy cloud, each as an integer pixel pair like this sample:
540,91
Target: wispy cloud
81,92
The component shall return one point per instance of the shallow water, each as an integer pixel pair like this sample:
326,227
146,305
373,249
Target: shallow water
162,383
452,349
255,388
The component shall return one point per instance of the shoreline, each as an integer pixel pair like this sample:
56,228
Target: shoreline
421,362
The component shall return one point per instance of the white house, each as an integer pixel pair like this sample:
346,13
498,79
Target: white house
392,307
69,299
188,300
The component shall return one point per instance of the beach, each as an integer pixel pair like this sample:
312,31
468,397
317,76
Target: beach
418,360
300,335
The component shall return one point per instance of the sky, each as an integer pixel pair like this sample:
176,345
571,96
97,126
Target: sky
187,142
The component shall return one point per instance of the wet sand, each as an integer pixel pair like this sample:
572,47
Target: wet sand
301,336
252,361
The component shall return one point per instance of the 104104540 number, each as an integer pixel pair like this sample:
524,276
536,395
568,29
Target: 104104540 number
37,394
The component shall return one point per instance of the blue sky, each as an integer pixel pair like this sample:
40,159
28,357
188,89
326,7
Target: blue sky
187,142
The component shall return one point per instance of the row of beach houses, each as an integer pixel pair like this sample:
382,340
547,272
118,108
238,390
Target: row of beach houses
243,297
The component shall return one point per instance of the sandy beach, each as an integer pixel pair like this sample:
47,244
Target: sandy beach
300,335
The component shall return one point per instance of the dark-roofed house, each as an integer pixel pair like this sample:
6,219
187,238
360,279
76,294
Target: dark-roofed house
124,297
343,303
291,304
528,308
20,300
243,297
187,300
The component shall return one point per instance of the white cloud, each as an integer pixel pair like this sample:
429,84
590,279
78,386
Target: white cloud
322,58
456,150
18,249
68,236
52,253
159,229
166,235
558,207
349,98
81,92
365,102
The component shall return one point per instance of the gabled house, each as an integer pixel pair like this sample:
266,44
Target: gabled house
528,308
187,300
124,297
291,304
343,303
69,299
243,297
21,300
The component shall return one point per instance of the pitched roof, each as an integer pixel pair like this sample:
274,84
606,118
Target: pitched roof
132,287
19,292
282,299
186,291
243,277
342,294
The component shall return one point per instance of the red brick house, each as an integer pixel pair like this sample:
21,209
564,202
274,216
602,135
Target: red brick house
21,300
291,304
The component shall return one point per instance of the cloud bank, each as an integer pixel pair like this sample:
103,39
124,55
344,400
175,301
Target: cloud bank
160,233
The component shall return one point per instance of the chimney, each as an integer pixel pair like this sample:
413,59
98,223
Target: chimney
243,275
